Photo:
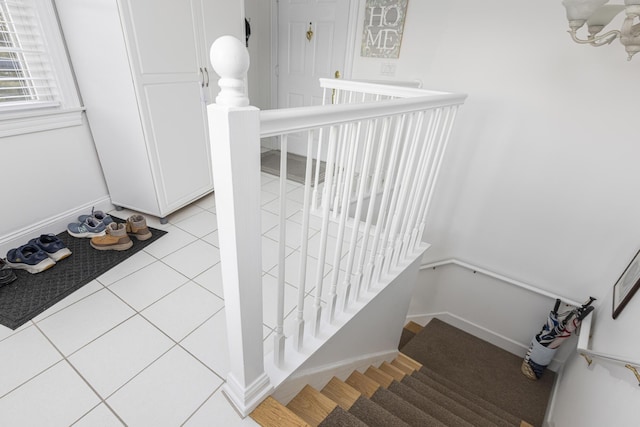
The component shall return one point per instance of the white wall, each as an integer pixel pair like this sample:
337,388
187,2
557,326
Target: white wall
47,177
541,176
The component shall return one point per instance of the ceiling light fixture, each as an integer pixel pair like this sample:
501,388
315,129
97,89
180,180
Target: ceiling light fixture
597,14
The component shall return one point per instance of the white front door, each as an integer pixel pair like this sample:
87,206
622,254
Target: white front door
312,43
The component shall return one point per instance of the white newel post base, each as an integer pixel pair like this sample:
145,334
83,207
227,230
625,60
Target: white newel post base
234,129
246,397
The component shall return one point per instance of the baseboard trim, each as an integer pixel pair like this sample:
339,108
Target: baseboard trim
53,224
319,376
505,343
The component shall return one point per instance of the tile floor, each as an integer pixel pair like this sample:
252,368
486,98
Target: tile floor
123,350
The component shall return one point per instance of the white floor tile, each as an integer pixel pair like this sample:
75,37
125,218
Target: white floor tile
211,280
85,321
184,213
57,397
193,259
292,271
212,238
24,355
274,186
293,234
199,224
208,202
117,356
146,286
175,239
6,332
183,310
100,416
166,393
266,197
132,264
268,221
219,409
291,207
209,344
271,253
269,299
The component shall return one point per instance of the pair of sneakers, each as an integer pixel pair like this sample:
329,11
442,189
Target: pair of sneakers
6,273
117,236
89,226
38,254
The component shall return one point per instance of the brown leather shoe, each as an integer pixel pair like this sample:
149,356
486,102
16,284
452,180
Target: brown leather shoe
116,239
137,227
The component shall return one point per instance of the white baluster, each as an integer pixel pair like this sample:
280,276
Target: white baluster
235,149
298,338
279,339
326,205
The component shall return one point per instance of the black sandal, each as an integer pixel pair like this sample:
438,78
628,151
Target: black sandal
6,273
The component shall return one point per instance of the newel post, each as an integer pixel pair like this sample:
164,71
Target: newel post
234,129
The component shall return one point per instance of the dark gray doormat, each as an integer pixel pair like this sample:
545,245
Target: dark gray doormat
296,166
31,294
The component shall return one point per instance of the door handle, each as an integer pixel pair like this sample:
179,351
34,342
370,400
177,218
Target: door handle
333,91
207,73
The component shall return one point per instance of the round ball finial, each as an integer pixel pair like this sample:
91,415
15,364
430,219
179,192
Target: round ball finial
230,60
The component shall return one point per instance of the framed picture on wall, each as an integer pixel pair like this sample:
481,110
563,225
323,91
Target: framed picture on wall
627,285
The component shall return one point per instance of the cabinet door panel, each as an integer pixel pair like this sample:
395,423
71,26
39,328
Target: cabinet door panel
179,142
165,36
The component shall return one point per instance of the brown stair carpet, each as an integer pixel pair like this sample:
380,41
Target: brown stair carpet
341,418
374,415
483,369
430,407
469,400
404,410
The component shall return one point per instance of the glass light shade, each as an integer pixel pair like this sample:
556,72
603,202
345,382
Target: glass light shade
581,10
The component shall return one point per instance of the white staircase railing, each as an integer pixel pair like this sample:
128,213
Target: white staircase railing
383,148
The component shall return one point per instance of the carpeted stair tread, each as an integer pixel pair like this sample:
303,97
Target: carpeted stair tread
477,404
432,408
404,410
456,404
484,369
341,418
375,415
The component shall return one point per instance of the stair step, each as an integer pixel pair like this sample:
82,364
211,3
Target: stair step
389,369
379,376
404,368
413,327
271,413
403,358
362,383
311,405
341,393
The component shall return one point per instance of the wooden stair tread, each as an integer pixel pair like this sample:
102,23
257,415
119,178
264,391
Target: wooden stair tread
525,424
341,393
362,383
396,373
409,361
413,327
403,367
271,413
379,376
311,405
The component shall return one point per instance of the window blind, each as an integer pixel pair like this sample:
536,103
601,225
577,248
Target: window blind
26,76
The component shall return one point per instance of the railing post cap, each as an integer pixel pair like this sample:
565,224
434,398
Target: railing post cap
230,60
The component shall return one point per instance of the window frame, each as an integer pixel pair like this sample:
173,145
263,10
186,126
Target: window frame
67,110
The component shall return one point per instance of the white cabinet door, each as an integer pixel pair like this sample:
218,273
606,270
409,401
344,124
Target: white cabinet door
169,63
